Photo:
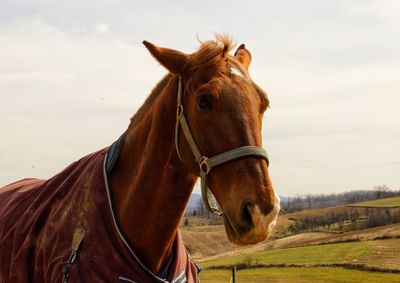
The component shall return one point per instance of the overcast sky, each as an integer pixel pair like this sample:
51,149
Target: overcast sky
72,73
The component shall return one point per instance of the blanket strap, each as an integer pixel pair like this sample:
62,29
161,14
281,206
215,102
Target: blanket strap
76,241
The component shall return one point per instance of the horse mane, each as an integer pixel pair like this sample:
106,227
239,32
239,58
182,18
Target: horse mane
151,98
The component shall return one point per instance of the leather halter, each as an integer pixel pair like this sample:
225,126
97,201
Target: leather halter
207,163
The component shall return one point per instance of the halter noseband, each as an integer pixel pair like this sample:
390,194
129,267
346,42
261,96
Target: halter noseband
207,163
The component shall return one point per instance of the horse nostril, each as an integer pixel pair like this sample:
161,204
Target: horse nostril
248,209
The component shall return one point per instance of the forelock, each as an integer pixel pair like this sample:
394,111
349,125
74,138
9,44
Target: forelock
210,51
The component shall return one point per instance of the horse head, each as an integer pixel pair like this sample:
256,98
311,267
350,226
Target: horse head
223,108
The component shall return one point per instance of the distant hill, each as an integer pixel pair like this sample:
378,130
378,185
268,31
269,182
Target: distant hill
302,202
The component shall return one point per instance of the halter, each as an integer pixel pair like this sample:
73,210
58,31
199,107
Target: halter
207,163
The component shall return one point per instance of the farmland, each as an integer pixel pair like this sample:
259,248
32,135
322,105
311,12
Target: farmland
313,264
377,253
385,202
300,275
324,254
339,252
210,242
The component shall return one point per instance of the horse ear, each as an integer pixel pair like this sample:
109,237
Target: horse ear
175,61
243,55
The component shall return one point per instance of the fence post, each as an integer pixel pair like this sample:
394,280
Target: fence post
234,274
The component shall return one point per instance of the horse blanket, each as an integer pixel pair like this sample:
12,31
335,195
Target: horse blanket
64,230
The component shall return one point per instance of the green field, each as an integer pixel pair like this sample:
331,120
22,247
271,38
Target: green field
340,253
384,202
322,254
299,275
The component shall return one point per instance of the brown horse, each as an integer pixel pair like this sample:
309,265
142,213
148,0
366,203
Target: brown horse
202,119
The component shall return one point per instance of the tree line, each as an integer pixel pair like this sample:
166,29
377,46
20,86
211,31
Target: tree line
346,219
302,202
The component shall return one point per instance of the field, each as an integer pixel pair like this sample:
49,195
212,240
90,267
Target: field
352,253
209,242
385,202
323,254
381,254
378,253
300,275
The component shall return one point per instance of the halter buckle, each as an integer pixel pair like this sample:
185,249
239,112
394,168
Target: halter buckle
204,165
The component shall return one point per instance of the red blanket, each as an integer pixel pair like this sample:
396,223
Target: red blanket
38,219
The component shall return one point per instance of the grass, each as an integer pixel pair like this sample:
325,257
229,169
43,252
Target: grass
384,202
322,254
299,275
369,252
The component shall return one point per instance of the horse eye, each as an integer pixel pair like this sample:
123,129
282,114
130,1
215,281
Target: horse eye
203,101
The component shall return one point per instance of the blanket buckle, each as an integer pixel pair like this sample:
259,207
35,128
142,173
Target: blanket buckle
76,241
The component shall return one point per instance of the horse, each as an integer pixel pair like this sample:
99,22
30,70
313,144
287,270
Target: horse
114,215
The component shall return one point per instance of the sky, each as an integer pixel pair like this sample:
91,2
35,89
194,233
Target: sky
72,73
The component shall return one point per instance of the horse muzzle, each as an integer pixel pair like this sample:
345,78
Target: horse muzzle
251,225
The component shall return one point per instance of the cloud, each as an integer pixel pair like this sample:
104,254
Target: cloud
102,28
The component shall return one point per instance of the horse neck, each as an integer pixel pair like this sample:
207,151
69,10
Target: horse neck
150,189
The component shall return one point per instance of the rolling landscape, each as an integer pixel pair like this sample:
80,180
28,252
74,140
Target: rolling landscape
357,242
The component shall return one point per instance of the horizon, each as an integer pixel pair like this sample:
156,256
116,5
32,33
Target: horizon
73,73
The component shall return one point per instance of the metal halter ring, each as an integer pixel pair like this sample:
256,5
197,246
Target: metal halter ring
204,165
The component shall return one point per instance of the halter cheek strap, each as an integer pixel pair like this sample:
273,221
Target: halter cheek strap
207,163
